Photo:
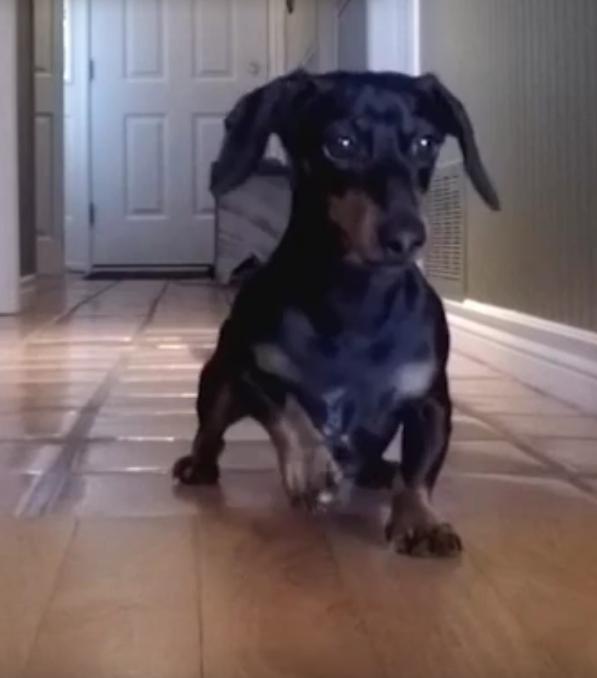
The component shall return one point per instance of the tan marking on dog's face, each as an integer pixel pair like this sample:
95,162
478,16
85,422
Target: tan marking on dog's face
357,216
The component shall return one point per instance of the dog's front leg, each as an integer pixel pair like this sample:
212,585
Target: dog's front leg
414,527
306,466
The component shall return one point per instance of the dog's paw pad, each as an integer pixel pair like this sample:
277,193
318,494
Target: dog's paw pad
188,472
435,541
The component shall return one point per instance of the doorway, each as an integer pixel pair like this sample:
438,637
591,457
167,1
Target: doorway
146,106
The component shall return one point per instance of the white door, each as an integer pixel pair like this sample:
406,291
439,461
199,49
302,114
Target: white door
49,201
165,74
76,135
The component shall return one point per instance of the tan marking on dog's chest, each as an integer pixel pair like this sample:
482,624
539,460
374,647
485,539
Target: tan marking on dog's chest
273,360
414,379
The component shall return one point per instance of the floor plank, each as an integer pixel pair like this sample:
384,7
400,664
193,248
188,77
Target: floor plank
30,556
273,604
125,605
541,562
432,619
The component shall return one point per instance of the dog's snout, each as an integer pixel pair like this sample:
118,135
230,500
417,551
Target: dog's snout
403,244
403,239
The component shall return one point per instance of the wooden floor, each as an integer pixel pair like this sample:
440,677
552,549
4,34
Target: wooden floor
107,572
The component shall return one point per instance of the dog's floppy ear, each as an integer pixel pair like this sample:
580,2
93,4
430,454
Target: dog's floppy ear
248,126
451,117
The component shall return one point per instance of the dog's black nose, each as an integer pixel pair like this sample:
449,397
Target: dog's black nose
403,243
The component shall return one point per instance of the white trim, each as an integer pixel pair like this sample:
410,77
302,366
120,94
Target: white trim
416,36
77,103
10,297
543,354
393,35
528,320
383,42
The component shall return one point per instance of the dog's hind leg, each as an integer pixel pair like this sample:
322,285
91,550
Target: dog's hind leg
218,407
414,526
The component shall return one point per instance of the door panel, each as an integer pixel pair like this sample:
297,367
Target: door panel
166,73
143,39
49,201
213,40
144,161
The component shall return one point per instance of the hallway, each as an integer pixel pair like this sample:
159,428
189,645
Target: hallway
108,571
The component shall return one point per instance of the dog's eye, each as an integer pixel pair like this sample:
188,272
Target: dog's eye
340,147
424,148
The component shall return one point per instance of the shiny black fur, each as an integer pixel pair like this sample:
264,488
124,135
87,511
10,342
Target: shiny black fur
347,320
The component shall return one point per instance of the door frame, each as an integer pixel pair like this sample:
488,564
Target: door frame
49,104
77,103
79,235
10,283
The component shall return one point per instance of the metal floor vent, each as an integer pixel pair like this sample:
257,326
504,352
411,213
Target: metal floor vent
445,263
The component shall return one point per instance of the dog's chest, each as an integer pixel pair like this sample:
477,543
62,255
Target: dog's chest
352,376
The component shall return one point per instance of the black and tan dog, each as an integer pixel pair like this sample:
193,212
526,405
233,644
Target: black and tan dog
339,340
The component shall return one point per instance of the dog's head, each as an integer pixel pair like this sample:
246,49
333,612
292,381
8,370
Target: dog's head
365,144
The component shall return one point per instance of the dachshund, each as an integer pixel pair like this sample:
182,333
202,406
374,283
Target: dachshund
338,341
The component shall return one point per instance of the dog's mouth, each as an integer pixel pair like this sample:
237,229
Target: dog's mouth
382,261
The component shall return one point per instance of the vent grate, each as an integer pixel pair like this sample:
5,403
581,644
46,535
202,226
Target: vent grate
445,206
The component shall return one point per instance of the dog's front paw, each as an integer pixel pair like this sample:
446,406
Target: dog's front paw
298,483
429,541
188,471
415,530
311,482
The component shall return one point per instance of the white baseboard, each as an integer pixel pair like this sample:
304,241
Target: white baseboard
557,359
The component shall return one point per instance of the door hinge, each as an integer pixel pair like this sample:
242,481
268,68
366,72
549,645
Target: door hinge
91,70
91,214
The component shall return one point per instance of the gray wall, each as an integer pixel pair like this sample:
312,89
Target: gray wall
352,36
527,70
25,142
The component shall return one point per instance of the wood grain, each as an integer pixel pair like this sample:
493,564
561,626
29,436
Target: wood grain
30,556
433,619
541,559
125,604
273,604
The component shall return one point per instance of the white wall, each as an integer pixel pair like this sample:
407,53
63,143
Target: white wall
392,35
311,36
9,210
302,35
